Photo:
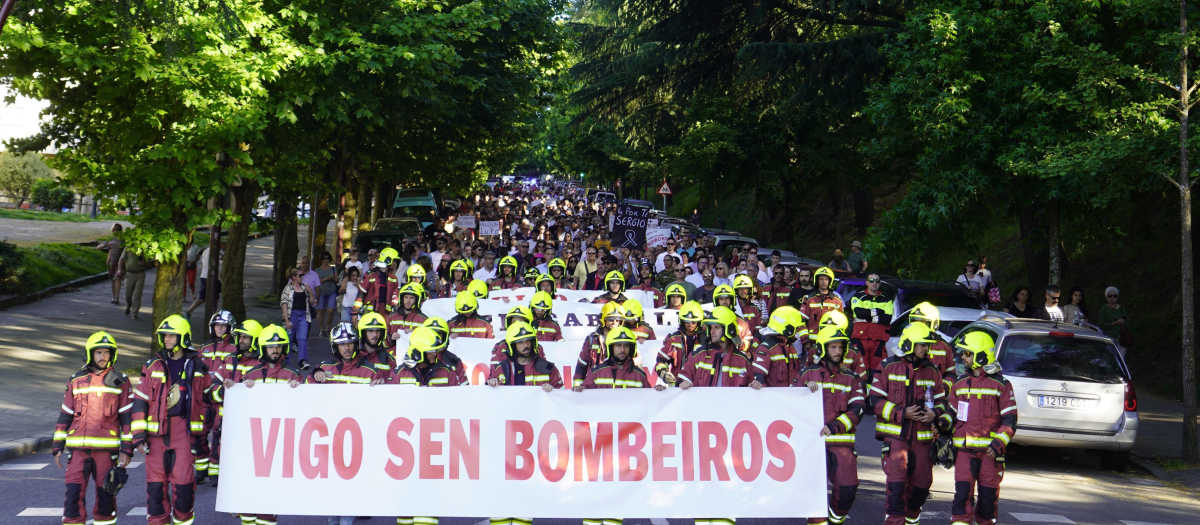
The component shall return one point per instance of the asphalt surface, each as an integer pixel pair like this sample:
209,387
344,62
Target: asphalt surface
1041,486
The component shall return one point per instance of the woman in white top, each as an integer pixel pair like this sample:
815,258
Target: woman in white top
350,286
971,279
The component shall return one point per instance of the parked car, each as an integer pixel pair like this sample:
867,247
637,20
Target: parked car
418,203
1072,385
408,225
603,197
727,242
910,293
639,203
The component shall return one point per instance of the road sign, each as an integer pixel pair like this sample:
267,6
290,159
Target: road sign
664,190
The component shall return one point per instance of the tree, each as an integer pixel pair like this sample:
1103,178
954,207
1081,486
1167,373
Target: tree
18,173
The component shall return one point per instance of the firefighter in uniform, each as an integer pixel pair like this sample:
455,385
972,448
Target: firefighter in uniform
378,286
219,348
168,414
636,320
407,313
94,428
645,270
614,289
612,316
518,313
776,361
743,287
982,410
558,272
531,277
372,338
468,322
676,295
273,347
478,288
506,276
851,359
908,398
348,365
414,274
872,310
842,399
546,283
776,293
225,374
460,278
824,299
940,354
542,305
723,295
680,344
721,362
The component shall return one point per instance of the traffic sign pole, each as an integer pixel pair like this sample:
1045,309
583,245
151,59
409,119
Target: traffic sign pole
664,190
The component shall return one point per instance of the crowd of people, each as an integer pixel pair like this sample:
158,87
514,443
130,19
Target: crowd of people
740,322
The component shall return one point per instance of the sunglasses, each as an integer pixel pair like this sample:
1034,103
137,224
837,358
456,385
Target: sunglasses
1053,299
680,271
872,280
778,273
1113,296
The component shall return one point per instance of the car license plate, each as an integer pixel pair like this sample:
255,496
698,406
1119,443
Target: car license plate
1070,403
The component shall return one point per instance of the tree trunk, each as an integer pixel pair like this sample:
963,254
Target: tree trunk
321,219
864,209
309,249
381,203
287,248
1033,247
1190,453
364,203
168,284
350,204
1054,242
233,273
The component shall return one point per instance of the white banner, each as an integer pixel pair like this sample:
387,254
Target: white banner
467,452
576,319
465,221
658,236
573,296
489,227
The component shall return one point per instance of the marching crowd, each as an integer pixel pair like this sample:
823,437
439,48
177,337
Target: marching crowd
750,328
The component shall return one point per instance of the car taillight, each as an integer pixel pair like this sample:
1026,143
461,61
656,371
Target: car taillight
1130,398
1061,334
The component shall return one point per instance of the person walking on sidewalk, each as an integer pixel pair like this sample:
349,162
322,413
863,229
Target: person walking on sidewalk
94,428
295,302
115,248
134,267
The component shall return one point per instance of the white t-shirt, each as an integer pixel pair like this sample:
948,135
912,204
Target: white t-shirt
1055,313
697,280
203,267
350,295
976,283
436,257
985,277
484,274
361,265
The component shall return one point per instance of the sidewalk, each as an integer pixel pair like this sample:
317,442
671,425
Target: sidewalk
30,233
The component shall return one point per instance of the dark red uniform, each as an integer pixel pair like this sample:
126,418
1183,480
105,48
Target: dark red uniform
775,295
405,321
676,349
359,371
643,332
94,427
537,372
511,283
648,286
712,366
983,411
872,314
378,287
609,374
471,326
233,368
776,362
447,371
751,312
500,352
590,355
214,355
814,307
547,329
843,402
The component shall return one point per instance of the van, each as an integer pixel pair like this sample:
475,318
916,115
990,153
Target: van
418,203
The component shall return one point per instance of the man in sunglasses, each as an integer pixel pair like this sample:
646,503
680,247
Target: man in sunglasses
777,292
1051,311
872,309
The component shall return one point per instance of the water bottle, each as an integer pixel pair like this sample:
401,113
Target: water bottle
929,398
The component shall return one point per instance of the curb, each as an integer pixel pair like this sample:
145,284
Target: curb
25,446
1149,468
17,300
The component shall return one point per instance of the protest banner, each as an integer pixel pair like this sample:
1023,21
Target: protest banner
576,319
465,221
489,227
658,236
629,227
393,450
574,296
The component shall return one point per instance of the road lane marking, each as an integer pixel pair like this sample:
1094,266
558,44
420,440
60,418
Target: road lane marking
134,464
658,521
1041,518
24,466
42,511
1128,522
136,511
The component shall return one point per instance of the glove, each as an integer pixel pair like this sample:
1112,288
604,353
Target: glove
115,479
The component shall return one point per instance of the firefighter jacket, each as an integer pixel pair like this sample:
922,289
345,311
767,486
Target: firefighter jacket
851,360
472,325
500,352
548,329
511,283
268,373
872,315
814,307
712,366
643,332
841,396
903,384
775,295
942,357
590,355
750,312
359,371
382,358
216,352
378,288
776,362
564,284
983,412
97,412
537,372
609,374
447,371
405,321
607,297
676,349
451,289
233,368
648,286
150,396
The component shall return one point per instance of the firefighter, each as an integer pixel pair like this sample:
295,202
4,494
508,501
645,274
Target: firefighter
940,353
822,300
546,283
676,295
460,276
168,414
378,286
273,347
478,288
645,269
468,322
721,362
440,327
220,327
229,372
518,313
982,410
723,295
506,276
542,305
776,293
908,398
614,289
531,276
680,344
743,286
348,366
842,399
636,320
94,427
415,275
407,314
872,309
617,370
521,364
776,361
428,363
372,338
851,359
612,316
558,272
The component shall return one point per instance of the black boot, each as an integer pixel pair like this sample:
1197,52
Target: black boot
212,481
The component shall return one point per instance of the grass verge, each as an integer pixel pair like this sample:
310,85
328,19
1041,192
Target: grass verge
32,215
47,265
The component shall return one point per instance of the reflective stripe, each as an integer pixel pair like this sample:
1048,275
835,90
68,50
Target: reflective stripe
141,395
839,438
888,428
406,380
577,382
760,367
846,421
348,379
92,442
888,406
157,374
780,357
835,386
980,392
60,435
1009,409
706,366
1001,436
68,410
926,435
196,426
96,390
853,399
439,381
881,392
972,442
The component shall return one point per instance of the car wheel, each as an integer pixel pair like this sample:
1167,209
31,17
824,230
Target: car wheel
1111,460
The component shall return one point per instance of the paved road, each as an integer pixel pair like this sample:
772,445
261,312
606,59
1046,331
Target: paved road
28,233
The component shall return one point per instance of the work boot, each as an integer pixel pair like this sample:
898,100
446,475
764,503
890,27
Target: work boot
212,481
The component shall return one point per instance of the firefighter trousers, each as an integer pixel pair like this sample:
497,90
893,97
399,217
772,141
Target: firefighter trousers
510,521
607,521
976,468
258,519
214,455
841,469
417,520
81,466
200,448
909,474
170,463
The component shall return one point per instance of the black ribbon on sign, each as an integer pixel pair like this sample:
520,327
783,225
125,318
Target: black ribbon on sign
630,239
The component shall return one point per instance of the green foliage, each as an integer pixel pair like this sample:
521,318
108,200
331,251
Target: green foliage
26,270
19,171
51,195
11,271
31,215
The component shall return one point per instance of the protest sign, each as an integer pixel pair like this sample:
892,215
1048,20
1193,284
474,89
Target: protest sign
489,227
465,221
658,236
629,226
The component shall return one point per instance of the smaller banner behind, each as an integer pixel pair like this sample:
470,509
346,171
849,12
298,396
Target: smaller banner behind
576,319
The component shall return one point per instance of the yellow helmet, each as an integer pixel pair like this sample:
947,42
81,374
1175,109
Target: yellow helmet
724,291
620,335
614,276
439,325
829,334
518,313
532,274
913,334
519,331
414,289
978,349
835,318
388,256
465,303
460,266
423,341
725,318
833,282
177,325
785,321
97,341
248,328
611,309
743,281
542,300
371,321
926,313
478,288
676,289
546,278
415,274
272,335
508,260
691,312
556,263
633,309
